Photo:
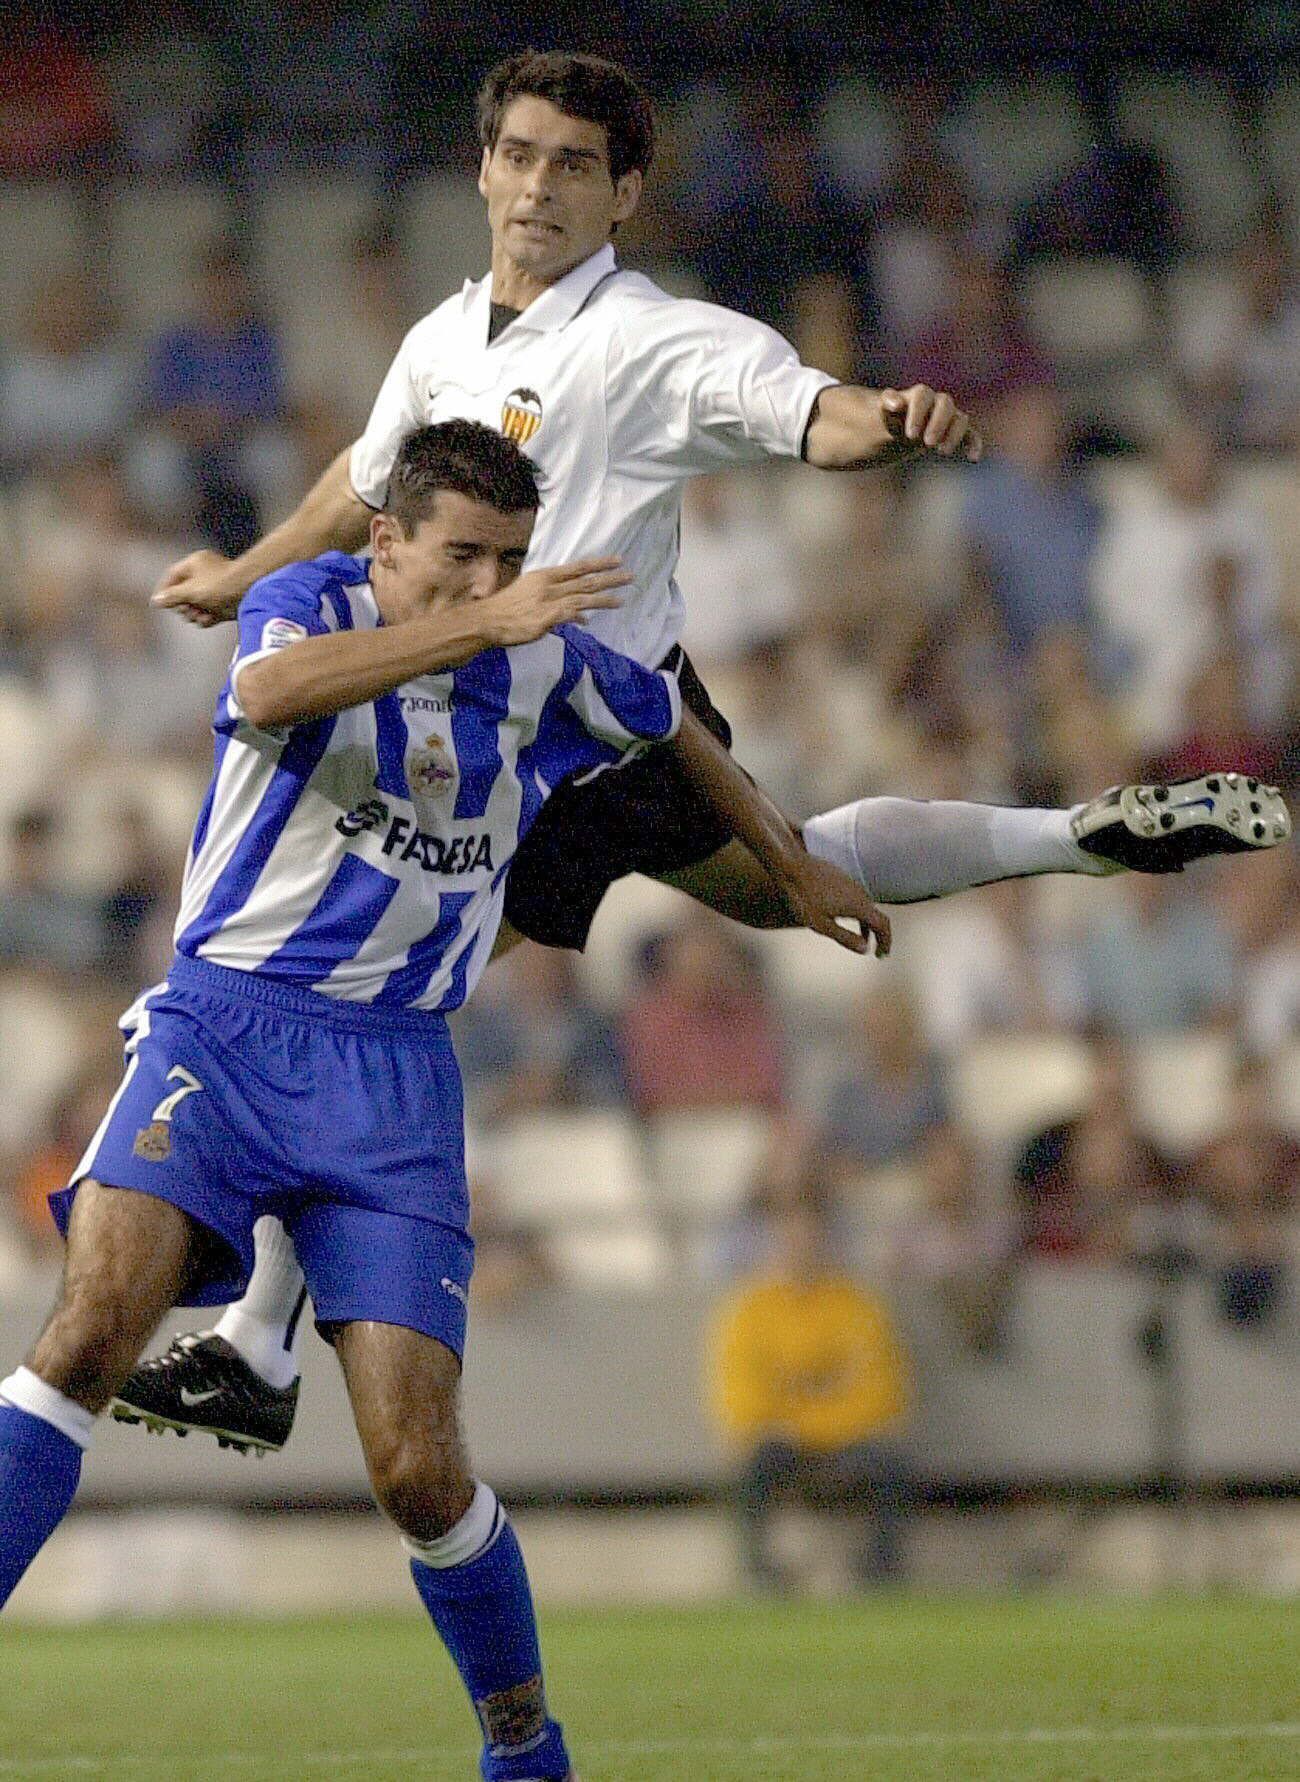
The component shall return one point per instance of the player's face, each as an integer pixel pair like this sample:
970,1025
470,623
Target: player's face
551,199
465,550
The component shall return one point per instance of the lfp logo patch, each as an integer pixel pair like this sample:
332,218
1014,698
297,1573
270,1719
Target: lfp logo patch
521,416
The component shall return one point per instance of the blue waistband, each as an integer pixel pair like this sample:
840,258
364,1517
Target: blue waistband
292,999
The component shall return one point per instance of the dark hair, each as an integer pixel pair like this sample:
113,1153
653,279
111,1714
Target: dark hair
466,458
586,87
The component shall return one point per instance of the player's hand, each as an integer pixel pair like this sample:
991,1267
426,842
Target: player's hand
539,600
823,898
925,420
199,588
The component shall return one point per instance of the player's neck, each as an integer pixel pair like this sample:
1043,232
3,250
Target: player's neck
393,609
515,286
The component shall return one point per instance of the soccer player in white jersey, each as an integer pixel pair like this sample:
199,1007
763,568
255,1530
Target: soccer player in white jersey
620,393
380,752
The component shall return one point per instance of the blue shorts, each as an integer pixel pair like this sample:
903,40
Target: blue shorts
243,1096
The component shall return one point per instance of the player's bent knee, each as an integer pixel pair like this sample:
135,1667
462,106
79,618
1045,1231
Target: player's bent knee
421,1488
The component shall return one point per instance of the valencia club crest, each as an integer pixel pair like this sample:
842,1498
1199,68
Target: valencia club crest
521,416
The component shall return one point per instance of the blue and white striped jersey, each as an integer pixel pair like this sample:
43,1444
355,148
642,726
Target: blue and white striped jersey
364,855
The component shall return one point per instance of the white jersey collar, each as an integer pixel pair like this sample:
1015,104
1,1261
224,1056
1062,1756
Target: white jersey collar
555,307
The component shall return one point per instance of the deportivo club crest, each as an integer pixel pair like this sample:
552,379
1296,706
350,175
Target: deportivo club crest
430,770
521,416
153,1142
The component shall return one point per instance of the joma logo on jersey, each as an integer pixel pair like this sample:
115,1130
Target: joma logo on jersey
466,853
521,415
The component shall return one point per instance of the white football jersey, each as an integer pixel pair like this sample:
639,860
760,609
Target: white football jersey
618,392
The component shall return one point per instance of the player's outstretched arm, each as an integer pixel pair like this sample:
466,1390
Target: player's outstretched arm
319,676
853,427
817,895
206,587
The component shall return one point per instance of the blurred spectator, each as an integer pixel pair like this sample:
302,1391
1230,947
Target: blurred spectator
978,349
737,570
808,1382
814,289
957,1242
221,368
1218,730
1118,200
1182,575
1072,741
866,589
1029,526
792,1173
1267,928
166,89
68,385
702,1033
1155,957
72,1122
1242,352
926,215
529,1040
307,75
118,671
1249,1178
41,919
870,612
958,689
216,385
146,891
45,1033
776,730
1085,1184
510,1261
340,367
55,116
892,1096
993,962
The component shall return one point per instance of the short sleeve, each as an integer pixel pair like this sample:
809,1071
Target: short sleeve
398,411
617,700
703,387
280,610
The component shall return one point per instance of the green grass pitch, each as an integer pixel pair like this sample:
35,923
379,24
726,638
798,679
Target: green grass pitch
916,1688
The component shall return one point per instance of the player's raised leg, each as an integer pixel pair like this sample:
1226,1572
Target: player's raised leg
465,1556
907,850
127,1260
238,1381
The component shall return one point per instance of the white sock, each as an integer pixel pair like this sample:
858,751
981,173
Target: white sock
472,1535
26,1391
265,1324
904,850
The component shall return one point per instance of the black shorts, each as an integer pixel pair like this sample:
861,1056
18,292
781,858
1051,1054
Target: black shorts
645,817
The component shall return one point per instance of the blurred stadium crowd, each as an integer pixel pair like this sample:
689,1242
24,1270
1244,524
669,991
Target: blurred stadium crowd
214,243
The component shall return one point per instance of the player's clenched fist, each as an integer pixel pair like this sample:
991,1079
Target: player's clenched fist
929,421
541,599
199,588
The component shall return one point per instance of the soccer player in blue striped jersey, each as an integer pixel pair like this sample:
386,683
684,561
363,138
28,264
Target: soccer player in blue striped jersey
384,740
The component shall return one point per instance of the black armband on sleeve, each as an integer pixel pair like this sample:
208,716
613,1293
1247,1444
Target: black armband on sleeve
813,413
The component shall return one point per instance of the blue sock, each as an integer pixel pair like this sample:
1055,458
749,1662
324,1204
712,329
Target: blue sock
482,1607
39,1470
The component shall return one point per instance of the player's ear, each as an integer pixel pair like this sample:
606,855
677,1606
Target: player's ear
384,533
483,170
627,195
